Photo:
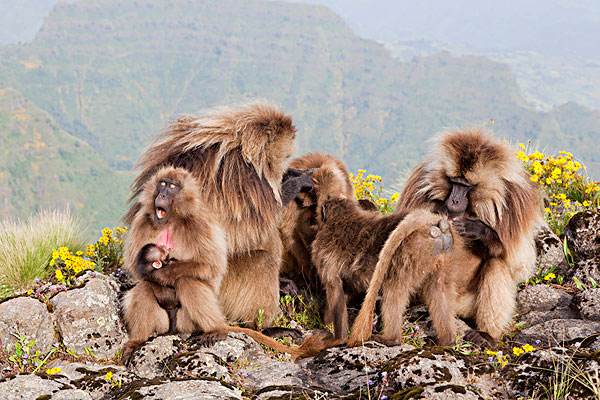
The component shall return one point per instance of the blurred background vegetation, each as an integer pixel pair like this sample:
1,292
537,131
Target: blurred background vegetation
85,85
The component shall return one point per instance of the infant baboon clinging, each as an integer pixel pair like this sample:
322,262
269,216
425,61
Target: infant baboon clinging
348,243
478,182
173,249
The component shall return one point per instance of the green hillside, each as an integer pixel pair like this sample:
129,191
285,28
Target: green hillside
44,167
112,74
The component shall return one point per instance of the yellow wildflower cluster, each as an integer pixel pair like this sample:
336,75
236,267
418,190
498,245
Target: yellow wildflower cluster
370,187
68,265
569,191
497,357
526,348
108,249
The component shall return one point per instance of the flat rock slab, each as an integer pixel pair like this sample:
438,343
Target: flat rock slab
29,317
542,298
150,360
558,331
88,318
588,303
183,390
31,387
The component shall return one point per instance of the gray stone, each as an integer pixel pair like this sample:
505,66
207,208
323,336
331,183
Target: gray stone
71,394
342,370
557,331
426,368
549,249
587,270
150,360
88,318
29,317
265,372
583,235
588,303
542,298
28,387
198,364
450,392
537,317
91,377
185,390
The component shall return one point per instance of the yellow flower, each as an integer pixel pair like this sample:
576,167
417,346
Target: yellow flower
107,232
534,178
490,352
517,351
503,361
549,181
547,210
79,253
549,276
528,348
90,250
53,371
586,203
522,146
108,376
103,240
59,275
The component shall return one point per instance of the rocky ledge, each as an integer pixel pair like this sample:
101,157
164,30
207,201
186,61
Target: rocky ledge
64,347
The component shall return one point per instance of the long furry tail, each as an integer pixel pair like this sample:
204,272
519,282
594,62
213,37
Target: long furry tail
311,346
363,325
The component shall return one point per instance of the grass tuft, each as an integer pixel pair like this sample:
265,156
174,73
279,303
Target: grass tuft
26,247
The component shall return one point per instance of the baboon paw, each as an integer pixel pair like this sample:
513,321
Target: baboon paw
479,338
441,235
388,341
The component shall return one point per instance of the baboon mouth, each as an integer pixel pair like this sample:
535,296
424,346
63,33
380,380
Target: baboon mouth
160,213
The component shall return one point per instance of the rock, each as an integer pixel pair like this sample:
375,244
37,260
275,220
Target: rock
210,362
424,368
28,387
88,318
549,249
588,303
583,235
264,374
71,394
150,360
587,270
184,390
537,317
450,392
542,298
343,370
559,331
91,377
29,317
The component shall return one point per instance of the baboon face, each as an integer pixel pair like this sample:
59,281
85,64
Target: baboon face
165,195
457,201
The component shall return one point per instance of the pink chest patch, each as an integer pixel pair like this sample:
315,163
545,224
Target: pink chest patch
165,239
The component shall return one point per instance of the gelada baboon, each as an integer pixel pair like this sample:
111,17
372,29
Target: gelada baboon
179,257
238,156
478,182
348,243
298,226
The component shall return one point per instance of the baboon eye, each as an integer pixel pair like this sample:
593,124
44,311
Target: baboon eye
163,184
172,186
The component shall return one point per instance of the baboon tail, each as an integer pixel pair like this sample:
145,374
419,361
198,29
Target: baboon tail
363,325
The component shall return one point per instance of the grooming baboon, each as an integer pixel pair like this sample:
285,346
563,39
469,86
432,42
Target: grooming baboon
179,257
298,226
478,182
348,243
238,158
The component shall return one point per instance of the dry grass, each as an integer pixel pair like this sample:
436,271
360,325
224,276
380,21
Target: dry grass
26,247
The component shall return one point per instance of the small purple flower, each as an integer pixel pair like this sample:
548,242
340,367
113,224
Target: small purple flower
384,374
24,362
370,382
383,397
25,356
537,342
37,280
491,359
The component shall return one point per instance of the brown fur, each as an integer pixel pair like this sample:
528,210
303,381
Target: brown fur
238,158
348,245
298,225
504,199
194,275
